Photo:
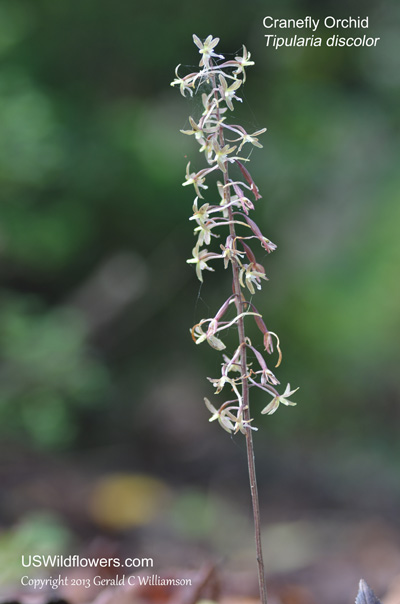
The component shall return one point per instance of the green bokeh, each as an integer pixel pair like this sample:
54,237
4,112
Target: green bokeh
91,165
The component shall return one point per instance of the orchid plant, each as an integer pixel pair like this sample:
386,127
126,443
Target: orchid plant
227,215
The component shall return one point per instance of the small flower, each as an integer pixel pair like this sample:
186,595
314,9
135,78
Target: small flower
243,424
219,383
207,49
251,274
277,400
196,130
199,336
200,258
197,180
231,364
243,61
267,376
186,83
221,154
230,253
228,92
220,415
205,225
252,138
200,215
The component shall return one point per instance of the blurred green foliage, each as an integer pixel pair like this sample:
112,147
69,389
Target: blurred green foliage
91,161
42,533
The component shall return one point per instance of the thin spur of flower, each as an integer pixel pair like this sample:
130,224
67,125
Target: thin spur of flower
219,208
278,399
266,387
249,179
213,323
224,204
266,374
185,83
234,202
205,233
235,128
242,201
232,364
278,346
266,243
237,182
267,335
222,221
213,70
221,325
249,252
239,200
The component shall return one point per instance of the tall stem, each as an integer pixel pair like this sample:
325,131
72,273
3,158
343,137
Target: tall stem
245,390
246,416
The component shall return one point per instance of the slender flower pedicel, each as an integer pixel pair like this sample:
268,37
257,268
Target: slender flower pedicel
225,217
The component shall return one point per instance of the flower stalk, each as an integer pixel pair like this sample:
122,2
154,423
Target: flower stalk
219,82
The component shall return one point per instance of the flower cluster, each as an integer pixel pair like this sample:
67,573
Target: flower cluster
221,143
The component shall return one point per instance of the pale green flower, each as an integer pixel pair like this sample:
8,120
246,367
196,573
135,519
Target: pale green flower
221,154
206,49
242,424
277,400
186,83
243,62
195,179
228,92
220,415
200,336
200,258
196,130
251,274
252,138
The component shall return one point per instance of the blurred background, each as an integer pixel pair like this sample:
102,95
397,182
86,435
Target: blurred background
105,441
